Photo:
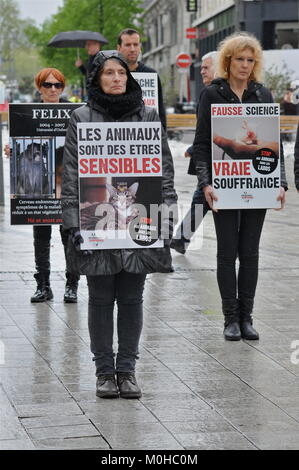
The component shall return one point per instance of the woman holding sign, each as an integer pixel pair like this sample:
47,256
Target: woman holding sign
238,231
113,275
50,84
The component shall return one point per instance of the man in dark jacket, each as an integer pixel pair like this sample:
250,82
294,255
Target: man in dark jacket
129,45
92,47
199,206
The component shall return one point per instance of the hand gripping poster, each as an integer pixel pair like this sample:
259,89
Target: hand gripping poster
246,155
120,184
37,133
149,86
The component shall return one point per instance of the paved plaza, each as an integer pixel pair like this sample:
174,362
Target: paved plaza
199,391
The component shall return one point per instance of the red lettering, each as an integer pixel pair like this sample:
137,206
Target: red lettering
232,168
128,165
93,166
225,168
136,169
246,169
145,165
217,167
227,111
113,165
83,166
156,165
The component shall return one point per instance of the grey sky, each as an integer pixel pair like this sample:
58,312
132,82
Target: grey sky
39,10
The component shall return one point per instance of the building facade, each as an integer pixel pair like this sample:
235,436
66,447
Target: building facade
274,22
165,23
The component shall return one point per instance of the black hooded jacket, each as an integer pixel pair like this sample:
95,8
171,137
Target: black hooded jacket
220,92
101,107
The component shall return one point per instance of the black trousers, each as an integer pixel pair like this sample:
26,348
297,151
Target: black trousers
127,290
238,235
41,239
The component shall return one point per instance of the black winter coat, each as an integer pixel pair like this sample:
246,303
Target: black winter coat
296,161
220,92
104,262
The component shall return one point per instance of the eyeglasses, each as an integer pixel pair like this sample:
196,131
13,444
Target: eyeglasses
57,85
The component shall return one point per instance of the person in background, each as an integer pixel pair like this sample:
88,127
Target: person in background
238,232
92,48
113,275
50,84
199,206
129,45
287,106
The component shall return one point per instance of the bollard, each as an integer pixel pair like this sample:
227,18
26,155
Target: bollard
1,167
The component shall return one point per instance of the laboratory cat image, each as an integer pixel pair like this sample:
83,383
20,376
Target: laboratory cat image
122,198
114,214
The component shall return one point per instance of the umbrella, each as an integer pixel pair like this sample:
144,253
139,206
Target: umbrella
76,39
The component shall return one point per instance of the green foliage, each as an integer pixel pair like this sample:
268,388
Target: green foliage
9,27
15,52
105,16
26,85
278,80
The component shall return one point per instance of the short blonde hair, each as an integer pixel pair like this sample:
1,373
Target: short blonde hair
234,44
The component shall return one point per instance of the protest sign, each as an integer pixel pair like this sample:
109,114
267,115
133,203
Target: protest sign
37,133
246,155
120,178
149,86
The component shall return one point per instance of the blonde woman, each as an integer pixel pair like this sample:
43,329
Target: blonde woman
238,231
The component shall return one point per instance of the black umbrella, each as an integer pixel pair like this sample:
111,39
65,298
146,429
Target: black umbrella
76,39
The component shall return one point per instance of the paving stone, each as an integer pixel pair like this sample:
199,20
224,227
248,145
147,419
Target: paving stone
63,432
228,440
49,421
78,443
48,409
139,436
16,444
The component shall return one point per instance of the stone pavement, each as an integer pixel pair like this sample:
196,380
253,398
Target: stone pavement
199,392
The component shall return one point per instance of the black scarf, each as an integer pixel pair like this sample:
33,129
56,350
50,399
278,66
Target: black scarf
116,105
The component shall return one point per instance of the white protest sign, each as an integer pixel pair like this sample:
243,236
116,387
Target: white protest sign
246,155
120,176
149,85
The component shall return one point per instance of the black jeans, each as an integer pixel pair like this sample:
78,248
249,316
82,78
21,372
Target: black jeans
127,290
238,234
41,240
194,217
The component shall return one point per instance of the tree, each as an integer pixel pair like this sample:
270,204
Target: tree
278,80
13,40
106,16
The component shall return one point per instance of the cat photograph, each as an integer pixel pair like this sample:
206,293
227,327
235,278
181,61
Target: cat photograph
114,212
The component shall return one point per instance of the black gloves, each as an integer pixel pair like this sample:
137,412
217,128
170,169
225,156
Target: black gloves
77,239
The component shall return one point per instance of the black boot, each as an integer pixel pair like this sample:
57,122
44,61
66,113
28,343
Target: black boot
128,386
106,386
230,310
247,330
71,287
43,290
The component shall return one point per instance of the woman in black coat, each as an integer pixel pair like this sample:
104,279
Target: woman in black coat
113,274
238,231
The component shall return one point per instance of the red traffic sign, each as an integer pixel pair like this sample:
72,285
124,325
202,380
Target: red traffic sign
183,60
191,33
